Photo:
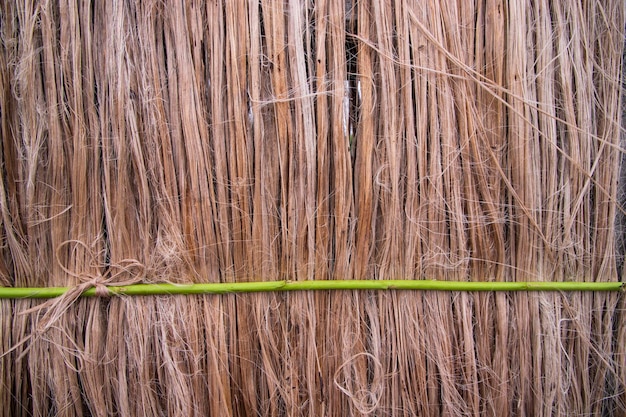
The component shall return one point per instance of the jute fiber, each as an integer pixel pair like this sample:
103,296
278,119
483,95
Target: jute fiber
230,141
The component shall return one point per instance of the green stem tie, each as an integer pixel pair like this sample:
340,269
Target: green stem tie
268,286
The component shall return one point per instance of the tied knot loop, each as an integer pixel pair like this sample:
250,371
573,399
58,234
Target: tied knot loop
99,283
122,273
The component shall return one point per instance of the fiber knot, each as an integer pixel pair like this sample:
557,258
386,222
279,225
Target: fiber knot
125,272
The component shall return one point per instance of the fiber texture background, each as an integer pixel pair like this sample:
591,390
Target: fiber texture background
222,141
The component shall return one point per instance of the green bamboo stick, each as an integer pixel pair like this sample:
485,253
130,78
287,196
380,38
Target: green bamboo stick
268,286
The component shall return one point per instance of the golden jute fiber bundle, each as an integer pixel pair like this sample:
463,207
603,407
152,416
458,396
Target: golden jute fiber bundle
264,140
